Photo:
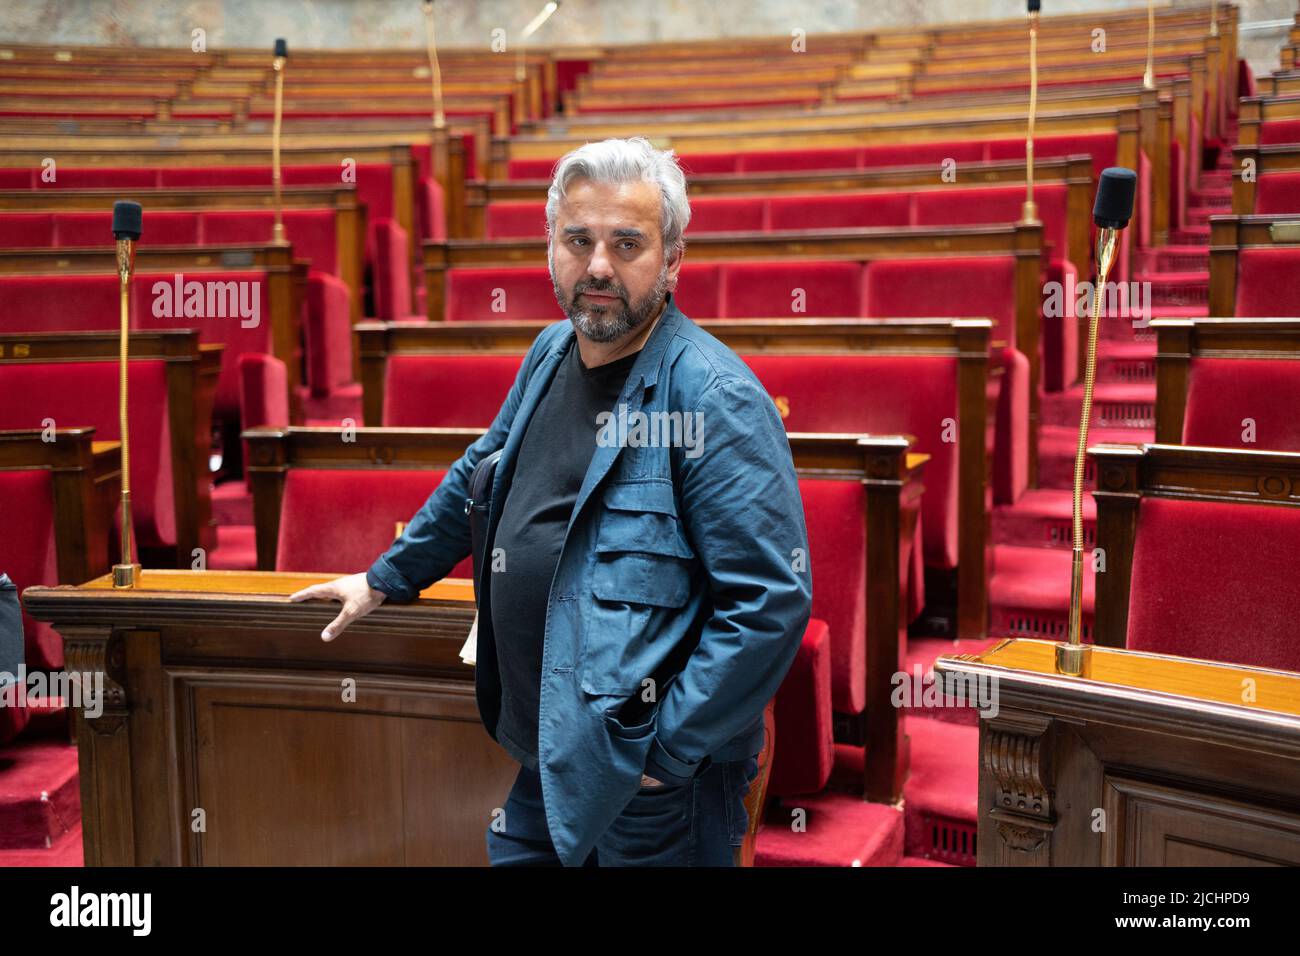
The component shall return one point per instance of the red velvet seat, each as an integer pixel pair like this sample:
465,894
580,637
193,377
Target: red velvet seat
986,287
337,520
163,228
877,394
514,219
1216,580
805,752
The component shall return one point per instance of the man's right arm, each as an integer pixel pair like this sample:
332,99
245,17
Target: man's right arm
438,537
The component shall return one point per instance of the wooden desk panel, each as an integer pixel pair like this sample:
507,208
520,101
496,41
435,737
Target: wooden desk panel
232,735
1146,760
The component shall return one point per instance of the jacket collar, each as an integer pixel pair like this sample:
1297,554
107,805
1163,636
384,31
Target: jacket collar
649,360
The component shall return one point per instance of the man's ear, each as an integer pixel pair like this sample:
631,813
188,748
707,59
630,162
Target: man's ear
674,267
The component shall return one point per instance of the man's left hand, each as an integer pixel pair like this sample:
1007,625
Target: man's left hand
648,781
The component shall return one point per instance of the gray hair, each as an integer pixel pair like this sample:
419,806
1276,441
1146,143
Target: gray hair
624,161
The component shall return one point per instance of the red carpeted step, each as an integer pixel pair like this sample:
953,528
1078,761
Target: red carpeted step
1190,236
1178,288
1057,445
1180,259
1029,594
1114,405
67,850
236,549
232,503
921,861
1131,362
1041,519
40,798
1214,198
1200,215
941,797
831,828
919,659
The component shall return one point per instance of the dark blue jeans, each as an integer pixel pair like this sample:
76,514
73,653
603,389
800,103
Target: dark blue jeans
700,823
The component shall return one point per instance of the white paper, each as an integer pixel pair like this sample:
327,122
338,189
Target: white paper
469,650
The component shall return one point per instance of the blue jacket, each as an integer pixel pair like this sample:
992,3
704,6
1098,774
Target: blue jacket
689,549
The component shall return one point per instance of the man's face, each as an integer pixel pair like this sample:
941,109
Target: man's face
607,257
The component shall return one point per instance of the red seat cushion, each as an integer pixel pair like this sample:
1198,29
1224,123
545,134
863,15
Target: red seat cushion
1268,281
327,333
805,749
389,252
1222,394
776,289
1216,580
337,520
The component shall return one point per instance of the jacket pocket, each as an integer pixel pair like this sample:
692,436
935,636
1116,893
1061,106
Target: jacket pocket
642,574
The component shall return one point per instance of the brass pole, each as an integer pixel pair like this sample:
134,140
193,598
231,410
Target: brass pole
127,572
1030,211
1149,77
1070,656
277,233
1214,18
435,71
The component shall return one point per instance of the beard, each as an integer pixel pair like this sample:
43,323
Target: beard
609,323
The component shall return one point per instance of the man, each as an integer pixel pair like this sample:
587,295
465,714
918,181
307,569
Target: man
644,529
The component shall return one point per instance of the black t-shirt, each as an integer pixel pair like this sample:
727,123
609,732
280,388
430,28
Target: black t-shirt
552,463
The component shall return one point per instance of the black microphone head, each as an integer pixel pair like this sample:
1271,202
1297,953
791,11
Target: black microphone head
1035,5
1115,191
127,217
282,48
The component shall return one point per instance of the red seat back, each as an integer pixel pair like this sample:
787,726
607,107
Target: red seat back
447,391
918,288
775,289
840,211
1216,580
1277,193
1229,400
337,520
85,395
878,394
1265,279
